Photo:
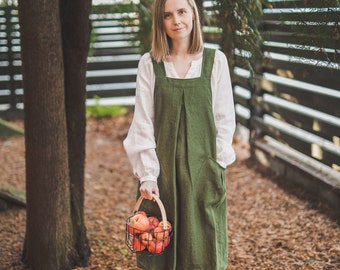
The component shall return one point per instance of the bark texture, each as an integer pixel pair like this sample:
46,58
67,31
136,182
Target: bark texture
75,27
55,39
48,231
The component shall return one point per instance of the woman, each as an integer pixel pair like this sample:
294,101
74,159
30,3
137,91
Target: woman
180,139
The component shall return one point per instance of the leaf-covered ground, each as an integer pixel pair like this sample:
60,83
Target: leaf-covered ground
272,224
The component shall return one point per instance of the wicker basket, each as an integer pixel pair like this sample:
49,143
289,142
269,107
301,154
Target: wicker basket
153,240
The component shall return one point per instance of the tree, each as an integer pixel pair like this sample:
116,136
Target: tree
238,20
55,39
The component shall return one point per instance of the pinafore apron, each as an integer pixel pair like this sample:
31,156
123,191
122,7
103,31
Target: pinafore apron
191,182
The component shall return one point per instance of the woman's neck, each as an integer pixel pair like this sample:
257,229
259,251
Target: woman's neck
181,61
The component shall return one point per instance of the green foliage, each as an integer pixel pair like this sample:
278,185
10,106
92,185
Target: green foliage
92,42
7,129
11,193
144,11
4,3
238,19
99,111
321,33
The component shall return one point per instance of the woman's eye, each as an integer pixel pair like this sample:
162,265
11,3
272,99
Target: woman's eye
166,15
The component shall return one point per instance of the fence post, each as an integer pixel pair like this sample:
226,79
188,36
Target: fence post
256,111
10,57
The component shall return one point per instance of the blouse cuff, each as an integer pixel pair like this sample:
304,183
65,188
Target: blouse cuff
147,178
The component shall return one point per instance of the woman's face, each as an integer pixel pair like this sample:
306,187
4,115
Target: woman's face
178,19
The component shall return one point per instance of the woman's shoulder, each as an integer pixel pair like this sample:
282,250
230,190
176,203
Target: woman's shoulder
219,55
145,62
220,58
146,57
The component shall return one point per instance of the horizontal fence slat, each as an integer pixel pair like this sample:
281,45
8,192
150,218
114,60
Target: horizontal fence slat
325,156
109,9
299,39
306,72
112,62
326,30
10,83
316,15
243,82
115,51
9,99
303,52
304,4
311,99
111,79
115,37
318,126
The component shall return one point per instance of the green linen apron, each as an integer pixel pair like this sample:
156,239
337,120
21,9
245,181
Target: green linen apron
191,182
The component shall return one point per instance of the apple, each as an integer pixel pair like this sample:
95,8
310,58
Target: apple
146,238
138,224
137,245
159,233
166,242
155,247
141,212
153,222
168,225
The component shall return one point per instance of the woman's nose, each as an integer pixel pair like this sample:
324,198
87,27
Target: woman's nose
176,19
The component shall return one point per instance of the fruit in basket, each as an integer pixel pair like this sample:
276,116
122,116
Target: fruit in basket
155,247
138,224
146,238
141,212
159,233
168,225
137,244
153,222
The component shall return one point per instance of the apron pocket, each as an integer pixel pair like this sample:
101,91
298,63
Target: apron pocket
211,183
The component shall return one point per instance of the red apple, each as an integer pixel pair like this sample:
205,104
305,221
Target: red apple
166,242
137,245
159,233
153,222
155,247
168,225
138,224
146,238
141,212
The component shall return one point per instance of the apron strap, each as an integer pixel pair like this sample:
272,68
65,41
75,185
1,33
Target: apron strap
158,68
208,62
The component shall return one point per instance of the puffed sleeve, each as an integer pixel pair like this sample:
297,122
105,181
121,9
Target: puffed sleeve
140,141
223,109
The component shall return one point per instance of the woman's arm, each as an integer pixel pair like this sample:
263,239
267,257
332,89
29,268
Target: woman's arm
224,111
140,142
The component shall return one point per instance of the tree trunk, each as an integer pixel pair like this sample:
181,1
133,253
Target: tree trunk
76,39
49,231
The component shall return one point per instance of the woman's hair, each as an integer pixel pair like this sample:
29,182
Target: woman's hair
161,43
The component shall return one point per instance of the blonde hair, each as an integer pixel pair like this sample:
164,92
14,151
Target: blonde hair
161,43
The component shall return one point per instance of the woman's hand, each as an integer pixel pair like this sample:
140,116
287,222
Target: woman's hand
149,188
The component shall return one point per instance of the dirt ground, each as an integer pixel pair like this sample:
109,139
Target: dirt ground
272,224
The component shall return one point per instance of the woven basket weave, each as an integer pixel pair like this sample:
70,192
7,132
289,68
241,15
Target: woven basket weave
150,241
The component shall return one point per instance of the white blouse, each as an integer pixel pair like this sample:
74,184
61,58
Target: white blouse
140,142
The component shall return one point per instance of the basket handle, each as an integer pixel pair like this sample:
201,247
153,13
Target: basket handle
160,205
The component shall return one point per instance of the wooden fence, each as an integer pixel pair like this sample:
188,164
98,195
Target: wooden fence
112,61
291,106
